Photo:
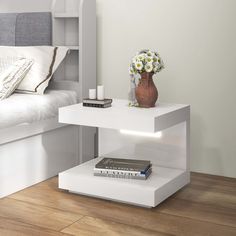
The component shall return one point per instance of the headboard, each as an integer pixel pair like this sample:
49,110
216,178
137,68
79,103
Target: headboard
71,24
26,29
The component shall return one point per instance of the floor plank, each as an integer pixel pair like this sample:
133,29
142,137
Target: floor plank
88,226
217,183
14,228
205,195
166,218
201,212
36,215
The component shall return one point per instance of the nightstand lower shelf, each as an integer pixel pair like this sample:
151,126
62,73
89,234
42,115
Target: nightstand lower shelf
162,183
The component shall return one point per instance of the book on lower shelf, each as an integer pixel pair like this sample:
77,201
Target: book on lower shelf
123,168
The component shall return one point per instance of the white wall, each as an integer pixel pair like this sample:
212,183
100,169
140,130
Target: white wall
197,40
24,5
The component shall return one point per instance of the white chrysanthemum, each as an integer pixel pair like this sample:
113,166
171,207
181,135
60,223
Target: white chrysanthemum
149,59
155,59
150,54
141,57
148,67
139,65
135,59
157,67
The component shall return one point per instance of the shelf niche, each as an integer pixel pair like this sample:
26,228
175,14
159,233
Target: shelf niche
66,33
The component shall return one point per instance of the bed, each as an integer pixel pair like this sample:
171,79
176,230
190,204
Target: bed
33,145
21,109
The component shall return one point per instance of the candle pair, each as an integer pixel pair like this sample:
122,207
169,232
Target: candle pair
99,94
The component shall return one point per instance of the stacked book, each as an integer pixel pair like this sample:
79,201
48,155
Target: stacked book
123,168
97,103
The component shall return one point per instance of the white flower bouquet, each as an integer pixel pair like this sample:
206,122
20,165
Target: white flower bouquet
143,66
146,61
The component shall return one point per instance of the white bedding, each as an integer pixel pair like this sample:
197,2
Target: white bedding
26,108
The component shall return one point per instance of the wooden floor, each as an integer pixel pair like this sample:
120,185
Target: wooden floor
205,207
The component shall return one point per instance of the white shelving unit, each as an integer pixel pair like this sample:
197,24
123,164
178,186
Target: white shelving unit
159,134
74,26
66,15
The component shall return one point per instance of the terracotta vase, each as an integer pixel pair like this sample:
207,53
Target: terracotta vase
146,92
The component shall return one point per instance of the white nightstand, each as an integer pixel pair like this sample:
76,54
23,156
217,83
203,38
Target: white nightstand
159,134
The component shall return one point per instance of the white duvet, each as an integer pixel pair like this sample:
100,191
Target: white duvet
27,108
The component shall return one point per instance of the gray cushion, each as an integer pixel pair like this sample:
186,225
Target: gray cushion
25,29
7,29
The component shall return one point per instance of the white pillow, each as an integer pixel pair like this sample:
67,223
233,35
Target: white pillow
46,61
11,76
5,62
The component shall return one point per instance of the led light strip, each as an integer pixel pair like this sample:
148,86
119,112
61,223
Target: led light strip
144,134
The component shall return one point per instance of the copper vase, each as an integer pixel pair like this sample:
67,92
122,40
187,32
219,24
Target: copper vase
146,92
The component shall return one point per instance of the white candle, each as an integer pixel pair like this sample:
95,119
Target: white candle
92,93
100,92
